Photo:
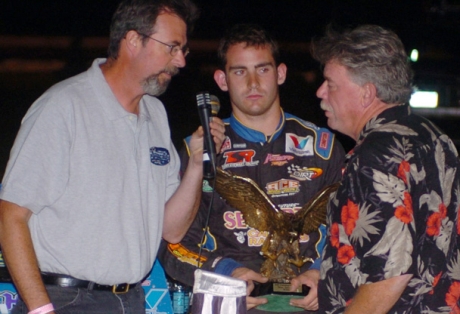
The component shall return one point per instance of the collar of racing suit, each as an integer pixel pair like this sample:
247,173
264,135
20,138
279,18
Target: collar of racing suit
252,135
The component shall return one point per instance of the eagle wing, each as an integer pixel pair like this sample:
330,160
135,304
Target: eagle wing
313,213
244,194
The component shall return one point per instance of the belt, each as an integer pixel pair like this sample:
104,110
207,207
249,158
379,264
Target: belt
71,282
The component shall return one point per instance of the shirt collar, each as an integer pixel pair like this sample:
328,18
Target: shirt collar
112,107
390,114
252,135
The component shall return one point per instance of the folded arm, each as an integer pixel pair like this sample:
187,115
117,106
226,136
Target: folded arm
378,297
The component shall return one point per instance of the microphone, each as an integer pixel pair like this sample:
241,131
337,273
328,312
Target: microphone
215,105
208,106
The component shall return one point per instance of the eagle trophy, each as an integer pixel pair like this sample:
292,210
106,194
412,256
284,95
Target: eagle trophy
281,247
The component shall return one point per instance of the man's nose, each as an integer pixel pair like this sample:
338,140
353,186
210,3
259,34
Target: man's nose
321,90
253,81
179,59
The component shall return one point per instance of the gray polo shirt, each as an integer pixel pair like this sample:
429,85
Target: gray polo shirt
96,179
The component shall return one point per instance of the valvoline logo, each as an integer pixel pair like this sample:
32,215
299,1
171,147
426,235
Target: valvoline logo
299,145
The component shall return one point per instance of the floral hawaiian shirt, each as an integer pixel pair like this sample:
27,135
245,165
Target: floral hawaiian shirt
395,213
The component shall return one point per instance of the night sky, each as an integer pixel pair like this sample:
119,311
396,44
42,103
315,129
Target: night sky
429,25
290,19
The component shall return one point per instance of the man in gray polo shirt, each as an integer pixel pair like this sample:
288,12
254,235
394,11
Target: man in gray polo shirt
93,183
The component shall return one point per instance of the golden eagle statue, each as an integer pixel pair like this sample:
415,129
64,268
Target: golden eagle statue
281,247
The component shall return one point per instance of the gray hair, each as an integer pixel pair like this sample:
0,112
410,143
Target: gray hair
371,54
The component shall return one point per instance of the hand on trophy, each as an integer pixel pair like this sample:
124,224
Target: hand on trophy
250,277
310,279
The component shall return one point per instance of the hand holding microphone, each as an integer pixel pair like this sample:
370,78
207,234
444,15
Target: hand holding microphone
208,106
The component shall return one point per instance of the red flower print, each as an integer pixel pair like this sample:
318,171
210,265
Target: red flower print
458,220
433,225
405,212
335,235
443,210
403,169
453,296
435,281
345,254
350,214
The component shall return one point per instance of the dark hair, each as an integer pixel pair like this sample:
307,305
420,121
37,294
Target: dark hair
141,15
251,35
371,54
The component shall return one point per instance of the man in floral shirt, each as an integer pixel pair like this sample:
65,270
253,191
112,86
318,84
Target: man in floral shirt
393,238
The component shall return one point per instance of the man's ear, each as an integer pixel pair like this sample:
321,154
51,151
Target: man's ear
221,80
133,41
282,71
369,94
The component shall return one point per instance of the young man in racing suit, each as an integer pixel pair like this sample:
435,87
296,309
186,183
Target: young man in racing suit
289,158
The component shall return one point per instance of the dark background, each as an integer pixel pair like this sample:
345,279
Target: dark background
44,41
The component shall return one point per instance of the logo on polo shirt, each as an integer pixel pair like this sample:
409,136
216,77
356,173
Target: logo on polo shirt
159,156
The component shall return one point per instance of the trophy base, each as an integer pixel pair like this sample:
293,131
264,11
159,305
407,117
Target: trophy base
280,288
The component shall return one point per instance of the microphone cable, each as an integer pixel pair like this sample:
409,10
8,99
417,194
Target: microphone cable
215,107
206,224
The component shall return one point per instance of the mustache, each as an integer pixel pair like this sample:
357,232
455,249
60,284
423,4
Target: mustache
324,106
171,71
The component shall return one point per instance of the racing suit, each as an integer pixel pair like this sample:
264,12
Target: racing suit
291,165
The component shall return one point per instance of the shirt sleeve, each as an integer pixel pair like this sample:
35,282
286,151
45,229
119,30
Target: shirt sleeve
38,168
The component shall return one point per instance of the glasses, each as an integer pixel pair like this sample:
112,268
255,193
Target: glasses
173,49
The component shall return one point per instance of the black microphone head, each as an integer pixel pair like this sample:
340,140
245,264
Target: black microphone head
203,99
215,105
